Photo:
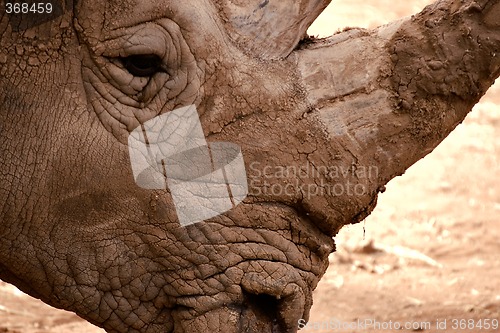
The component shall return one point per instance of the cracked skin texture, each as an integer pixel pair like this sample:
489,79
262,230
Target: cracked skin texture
79,234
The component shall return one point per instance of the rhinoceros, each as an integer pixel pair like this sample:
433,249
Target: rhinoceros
182,166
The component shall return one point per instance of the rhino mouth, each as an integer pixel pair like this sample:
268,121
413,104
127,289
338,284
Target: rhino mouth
269,289
259,303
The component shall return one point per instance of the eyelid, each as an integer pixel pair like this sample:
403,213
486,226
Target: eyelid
128,83
145,40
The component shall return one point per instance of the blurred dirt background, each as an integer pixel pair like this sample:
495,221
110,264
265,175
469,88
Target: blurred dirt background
430,251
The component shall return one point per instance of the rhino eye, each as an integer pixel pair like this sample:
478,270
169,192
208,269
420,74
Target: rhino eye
143,65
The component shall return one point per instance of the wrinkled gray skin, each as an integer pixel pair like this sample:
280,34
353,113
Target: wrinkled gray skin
77,232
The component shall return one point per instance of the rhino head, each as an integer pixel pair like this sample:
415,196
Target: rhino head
318,128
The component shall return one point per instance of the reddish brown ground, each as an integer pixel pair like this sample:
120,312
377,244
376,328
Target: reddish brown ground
431,249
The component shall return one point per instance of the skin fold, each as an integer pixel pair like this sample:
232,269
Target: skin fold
77,232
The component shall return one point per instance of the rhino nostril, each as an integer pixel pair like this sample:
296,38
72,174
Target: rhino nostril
266,304
260,313
281,299
269,313
266,313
